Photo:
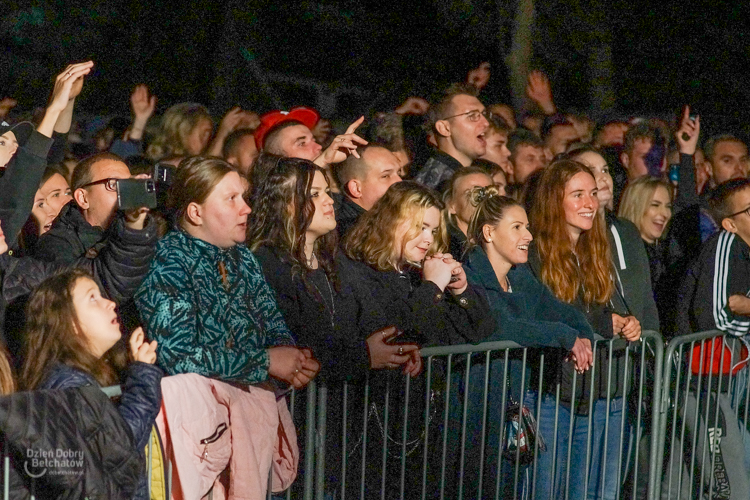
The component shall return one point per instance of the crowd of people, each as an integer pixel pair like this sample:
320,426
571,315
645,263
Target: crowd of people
277,251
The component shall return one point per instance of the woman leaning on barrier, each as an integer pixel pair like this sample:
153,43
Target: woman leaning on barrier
396,250
292,234
526,312
571,256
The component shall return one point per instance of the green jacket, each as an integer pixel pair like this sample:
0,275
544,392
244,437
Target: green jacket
217,324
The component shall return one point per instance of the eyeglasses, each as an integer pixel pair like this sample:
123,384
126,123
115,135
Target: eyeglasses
472,115
745,211
110,184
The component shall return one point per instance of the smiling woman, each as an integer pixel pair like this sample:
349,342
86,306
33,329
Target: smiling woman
571,256
647,203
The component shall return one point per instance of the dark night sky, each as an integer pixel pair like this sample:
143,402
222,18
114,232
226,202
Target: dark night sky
665,53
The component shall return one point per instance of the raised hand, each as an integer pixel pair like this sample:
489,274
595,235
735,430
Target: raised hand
413,106
67,86
141,103
142,351
539,90
687,135
342,146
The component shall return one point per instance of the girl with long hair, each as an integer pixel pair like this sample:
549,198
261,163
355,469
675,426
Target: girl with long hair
526,312
292,232
70,334
398,247
570,254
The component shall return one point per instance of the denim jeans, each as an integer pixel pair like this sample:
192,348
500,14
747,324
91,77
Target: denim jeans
553,472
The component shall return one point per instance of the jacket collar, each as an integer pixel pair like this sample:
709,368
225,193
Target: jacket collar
447,160
480,267
205,248
72,217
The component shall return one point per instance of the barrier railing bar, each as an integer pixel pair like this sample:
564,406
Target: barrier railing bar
485,392
404,436
364,440
464,416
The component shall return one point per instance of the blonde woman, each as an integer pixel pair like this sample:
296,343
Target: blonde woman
397,250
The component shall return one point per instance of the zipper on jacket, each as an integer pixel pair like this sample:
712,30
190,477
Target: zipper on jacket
220,430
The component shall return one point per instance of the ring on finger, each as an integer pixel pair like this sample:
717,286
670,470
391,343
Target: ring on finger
400,351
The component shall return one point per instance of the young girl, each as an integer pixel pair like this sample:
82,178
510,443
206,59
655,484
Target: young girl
397,247
70,332
292,233
571,256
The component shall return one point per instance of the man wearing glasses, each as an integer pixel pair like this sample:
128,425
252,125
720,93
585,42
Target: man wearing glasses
459,122
90,225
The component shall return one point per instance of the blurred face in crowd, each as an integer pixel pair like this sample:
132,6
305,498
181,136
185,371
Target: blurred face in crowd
297,141
508,241
479,76
99,201
729,161
559,138
740,222
96,316
528,159
612,134
415,249
465,130
197,139
657,215
500,180
497,148
580,204
635,160
49,199
323,220
8,147
604,184
460,204
506,112
702,170
244,153
382,173
222,219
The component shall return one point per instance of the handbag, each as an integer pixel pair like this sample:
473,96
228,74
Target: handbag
521,434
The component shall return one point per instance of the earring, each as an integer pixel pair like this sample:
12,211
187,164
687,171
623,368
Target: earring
489,240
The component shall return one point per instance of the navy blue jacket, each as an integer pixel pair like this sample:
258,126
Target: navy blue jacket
531,315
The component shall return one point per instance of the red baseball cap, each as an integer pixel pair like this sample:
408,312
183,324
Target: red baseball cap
306,116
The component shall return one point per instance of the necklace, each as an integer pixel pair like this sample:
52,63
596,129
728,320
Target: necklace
332,310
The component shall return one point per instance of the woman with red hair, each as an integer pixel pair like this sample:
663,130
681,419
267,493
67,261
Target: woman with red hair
570,254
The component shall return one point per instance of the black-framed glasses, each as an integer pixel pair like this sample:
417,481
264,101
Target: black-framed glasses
110,184
472,115
745,211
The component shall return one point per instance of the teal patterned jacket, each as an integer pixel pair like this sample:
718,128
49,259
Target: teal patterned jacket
208,320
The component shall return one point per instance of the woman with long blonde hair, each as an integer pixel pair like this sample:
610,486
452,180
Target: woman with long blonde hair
570,254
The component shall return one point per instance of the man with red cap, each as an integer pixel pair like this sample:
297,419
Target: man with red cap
289,133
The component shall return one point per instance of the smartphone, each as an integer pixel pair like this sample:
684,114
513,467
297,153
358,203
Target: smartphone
406,337
163,173
133,194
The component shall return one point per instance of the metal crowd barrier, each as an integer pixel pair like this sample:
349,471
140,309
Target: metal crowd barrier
665,422
441,435
703,423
